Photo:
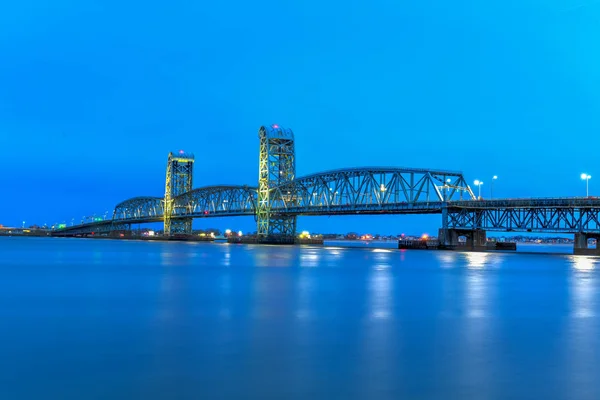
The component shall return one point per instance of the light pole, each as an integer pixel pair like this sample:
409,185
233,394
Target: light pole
492,187
478,183
586,178
448,188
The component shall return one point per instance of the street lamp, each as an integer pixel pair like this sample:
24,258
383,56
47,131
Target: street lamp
478,183
492,187
586,178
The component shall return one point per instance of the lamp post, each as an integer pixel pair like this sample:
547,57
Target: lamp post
478,183
492,187
586,178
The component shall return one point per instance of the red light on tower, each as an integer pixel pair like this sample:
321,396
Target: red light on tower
275,126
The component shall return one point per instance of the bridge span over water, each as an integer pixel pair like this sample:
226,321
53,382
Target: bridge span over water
280,197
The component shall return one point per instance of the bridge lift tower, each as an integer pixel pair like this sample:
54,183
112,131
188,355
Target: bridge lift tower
180,171
277,166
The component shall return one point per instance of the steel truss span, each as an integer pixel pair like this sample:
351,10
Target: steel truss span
375,190
561,215
213,201
139,208
371,190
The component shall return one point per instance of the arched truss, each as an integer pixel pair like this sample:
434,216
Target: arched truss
375,189
139,208
211,201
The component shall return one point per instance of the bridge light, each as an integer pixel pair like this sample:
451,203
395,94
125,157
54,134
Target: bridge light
492,186
382,187
478,183
240,233
275,126
586,178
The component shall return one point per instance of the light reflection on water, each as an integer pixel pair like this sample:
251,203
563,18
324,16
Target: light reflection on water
210,321
584,286
583,263
477,260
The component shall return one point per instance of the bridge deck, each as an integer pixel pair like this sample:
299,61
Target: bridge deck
559,215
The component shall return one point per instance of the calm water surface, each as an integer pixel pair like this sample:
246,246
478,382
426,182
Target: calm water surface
100,319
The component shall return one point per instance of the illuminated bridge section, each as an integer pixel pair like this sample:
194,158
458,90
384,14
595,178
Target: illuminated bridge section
375,190
372,190
139,210
215,201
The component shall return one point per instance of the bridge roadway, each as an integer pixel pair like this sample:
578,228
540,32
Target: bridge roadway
547,215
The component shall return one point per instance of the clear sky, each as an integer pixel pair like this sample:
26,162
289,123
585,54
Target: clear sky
94,94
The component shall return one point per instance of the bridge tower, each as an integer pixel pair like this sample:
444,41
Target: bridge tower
180,170
277,166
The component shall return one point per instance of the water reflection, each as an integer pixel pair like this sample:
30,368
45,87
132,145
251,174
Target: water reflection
476,296
583,263
448,259
381,288
382,259
304,290
274,256
309,258
227,256
477,260
583,286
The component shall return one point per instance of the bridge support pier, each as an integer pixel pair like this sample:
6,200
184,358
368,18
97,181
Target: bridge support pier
581,244
476,239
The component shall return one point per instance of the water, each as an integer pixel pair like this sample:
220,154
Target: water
101,319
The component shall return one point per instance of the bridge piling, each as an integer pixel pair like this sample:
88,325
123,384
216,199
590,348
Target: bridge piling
581,246
476,239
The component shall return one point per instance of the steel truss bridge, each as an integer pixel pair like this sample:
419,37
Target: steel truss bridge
281,197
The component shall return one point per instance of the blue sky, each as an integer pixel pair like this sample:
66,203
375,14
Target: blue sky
95,94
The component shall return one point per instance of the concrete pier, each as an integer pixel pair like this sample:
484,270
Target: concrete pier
476,239
581,247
